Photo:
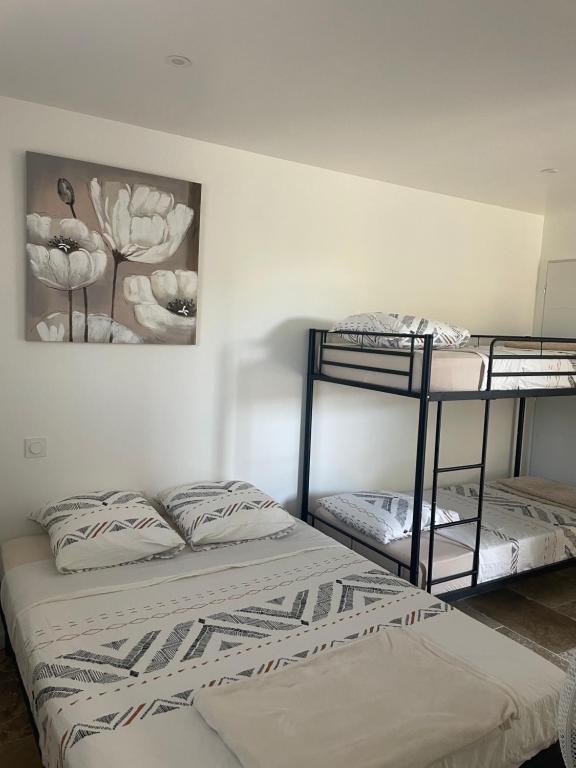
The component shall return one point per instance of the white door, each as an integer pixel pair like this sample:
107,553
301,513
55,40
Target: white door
554,434
559,318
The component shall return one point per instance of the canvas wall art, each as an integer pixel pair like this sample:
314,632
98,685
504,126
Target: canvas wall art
112,254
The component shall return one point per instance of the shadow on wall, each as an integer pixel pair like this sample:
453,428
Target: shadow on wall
287,344
261,400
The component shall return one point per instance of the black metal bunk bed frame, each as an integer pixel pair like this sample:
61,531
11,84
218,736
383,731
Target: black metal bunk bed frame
407,347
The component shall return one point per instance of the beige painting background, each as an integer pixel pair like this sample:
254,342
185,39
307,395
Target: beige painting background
43,172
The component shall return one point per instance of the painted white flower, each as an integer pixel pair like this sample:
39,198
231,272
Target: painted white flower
165,303
139,222
54,327
63,253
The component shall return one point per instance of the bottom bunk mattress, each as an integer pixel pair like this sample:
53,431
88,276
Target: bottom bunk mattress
449,556
112,659
518,534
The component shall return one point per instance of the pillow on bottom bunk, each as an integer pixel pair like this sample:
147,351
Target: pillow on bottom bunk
214,513
382,515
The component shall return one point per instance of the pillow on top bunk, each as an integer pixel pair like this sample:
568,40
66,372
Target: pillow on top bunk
104,529
444,335
214,513
382,515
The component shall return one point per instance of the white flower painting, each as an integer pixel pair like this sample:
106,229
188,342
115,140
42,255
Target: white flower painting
112,254
165,302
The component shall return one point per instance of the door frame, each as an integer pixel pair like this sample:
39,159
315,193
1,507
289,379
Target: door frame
533,405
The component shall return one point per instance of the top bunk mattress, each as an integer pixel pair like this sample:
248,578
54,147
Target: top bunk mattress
453,370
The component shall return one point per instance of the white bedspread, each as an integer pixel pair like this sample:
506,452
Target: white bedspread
528,361
518,534
112,659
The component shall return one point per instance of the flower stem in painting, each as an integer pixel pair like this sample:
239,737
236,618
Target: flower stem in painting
67,195
85,292
70,293
117,260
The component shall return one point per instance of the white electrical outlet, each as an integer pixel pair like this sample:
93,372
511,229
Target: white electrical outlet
35,447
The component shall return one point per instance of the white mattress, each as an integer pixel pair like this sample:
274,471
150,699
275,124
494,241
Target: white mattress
518,534
449,556
111,658
25,549
452,370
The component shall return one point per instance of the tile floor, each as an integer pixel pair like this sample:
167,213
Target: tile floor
17,742
537,611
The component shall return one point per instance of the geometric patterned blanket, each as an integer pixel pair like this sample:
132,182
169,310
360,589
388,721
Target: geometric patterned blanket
518,534
95,666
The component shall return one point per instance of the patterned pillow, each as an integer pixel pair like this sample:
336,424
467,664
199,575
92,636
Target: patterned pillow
103,529
224,511
70,505
445,335
382,515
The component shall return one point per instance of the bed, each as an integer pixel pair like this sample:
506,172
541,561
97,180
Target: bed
464,369
518,534
408,365
112,680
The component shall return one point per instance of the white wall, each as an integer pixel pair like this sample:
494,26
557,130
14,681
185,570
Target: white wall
283,246
553,449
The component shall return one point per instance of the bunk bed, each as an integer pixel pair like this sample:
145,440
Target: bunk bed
409,366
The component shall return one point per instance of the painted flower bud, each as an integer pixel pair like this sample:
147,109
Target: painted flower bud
66,191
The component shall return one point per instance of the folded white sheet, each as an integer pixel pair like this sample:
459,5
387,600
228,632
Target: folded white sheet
341,708
540,490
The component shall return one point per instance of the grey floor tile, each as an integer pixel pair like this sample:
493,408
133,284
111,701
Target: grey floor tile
20,754
474,614
14,719
528,618
568,609
552,588
559,660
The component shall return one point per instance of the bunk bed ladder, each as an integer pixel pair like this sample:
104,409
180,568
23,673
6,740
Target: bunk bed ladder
477,520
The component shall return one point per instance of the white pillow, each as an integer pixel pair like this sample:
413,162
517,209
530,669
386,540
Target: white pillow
224,511
444,335
88,533
383,515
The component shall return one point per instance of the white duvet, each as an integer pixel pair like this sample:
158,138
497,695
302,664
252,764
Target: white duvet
518,534
112,659
527,361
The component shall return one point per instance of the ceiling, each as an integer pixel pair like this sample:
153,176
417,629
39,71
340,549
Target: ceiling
465,97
